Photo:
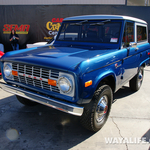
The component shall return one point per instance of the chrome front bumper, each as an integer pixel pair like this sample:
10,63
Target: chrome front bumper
56,104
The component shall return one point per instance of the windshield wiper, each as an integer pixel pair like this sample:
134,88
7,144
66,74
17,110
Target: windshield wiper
101,23
79,23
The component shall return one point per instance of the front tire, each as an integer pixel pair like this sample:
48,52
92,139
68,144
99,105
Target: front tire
25,101
136,82
97,111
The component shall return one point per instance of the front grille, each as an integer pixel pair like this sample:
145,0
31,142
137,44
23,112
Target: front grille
36,76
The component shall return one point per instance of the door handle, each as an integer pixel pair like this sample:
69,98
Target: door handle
128,50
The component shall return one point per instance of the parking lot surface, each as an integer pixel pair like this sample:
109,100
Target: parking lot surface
43,128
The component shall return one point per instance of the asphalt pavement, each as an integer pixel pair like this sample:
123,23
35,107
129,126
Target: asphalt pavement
43,128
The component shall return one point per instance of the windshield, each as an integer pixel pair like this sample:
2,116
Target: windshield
99,32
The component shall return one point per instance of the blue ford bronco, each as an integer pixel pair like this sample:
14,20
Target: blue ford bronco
92,57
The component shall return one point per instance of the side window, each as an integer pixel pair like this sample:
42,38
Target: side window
141,33
128,35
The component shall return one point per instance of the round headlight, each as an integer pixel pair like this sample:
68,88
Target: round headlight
65,85
7,70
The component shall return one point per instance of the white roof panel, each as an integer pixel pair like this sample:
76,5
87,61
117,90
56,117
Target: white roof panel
101,17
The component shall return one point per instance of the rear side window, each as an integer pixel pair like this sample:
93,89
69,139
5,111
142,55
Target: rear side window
141,33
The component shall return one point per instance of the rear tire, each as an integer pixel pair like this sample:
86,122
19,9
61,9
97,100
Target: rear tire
136,82
25,101
97,111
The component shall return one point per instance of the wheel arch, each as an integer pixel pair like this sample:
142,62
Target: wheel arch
144,63
141,65
108,79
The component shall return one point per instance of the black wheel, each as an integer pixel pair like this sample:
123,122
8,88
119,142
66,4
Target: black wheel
136,82
97,111
25,101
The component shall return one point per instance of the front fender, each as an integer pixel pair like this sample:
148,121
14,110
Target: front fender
96,77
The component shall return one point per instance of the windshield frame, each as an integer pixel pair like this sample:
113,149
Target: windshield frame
90,22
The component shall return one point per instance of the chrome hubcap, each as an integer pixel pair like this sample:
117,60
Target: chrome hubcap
101,108
140,78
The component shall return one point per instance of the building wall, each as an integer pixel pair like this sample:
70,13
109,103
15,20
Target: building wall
60,2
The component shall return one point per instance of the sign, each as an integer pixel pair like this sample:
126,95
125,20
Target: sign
36,23
22,29
53,27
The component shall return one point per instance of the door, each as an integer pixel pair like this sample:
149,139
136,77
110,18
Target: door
129,62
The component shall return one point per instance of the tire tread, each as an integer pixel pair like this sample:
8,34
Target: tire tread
88,114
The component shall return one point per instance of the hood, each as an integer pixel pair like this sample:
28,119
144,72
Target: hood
53,57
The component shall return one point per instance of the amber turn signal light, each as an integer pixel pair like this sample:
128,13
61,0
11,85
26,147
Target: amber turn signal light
88,83
14,73
52,82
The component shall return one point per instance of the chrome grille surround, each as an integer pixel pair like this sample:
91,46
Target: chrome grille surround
38,77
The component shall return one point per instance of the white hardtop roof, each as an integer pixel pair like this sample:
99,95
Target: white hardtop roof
102,17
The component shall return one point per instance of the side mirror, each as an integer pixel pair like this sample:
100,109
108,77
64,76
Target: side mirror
55,37
52,40
132,44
